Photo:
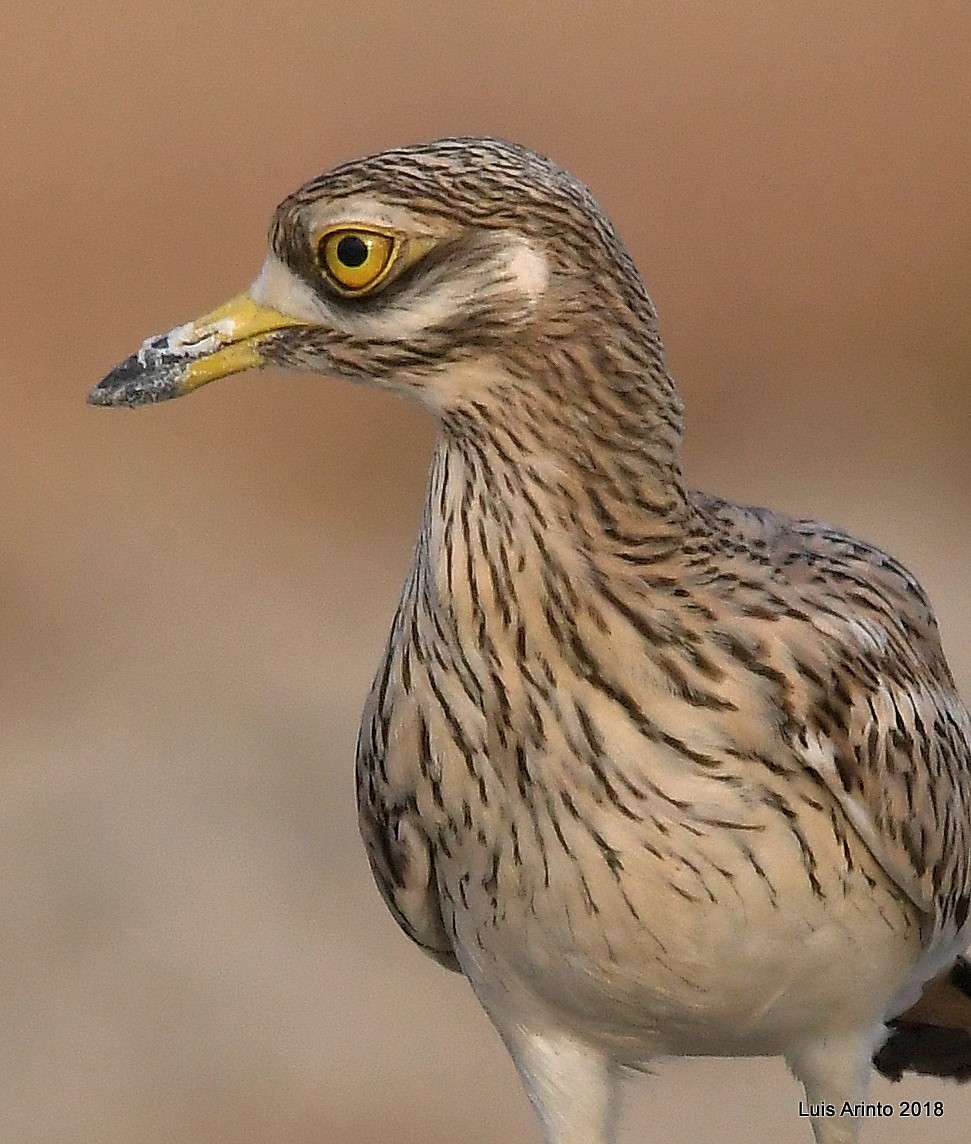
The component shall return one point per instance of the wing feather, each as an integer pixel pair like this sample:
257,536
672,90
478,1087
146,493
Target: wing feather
873,713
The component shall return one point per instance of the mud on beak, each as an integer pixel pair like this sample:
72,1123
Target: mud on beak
229,340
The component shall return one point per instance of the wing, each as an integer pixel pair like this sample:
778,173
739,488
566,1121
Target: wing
896,758
872,708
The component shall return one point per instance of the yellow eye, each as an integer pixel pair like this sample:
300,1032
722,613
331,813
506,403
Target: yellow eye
356,260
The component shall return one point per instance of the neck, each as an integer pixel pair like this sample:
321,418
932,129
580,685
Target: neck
595,460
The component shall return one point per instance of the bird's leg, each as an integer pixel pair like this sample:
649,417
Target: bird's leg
835,1072
574,1088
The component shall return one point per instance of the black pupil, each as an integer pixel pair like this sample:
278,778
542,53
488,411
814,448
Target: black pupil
352,251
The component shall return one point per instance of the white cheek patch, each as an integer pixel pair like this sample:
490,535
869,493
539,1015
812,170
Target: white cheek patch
278,288
410,316
517,266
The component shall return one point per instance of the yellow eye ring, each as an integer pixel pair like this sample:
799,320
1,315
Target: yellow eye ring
355,259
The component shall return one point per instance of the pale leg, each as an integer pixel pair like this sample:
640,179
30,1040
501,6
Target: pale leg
835,1072
575,1089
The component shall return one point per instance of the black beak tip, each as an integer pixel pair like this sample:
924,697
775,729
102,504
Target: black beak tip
102,394
136,383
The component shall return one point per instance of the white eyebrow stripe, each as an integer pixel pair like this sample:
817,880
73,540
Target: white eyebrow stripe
361,210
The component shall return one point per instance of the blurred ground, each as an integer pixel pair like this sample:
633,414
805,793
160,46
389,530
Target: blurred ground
193,598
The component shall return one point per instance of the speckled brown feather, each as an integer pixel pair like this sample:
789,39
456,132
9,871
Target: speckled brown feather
659,773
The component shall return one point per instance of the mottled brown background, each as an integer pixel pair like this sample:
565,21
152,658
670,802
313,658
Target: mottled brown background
194,597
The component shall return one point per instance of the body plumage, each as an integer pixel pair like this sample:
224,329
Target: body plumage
660,774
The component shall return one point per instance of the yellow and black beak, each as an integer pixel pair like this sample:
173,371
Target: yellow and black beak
229,340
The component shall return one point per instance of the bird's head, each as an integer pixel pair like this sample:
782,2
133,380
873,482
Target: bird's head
435,269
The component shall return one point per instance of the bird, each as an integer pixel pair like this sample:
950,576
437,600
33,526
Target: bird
660,774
